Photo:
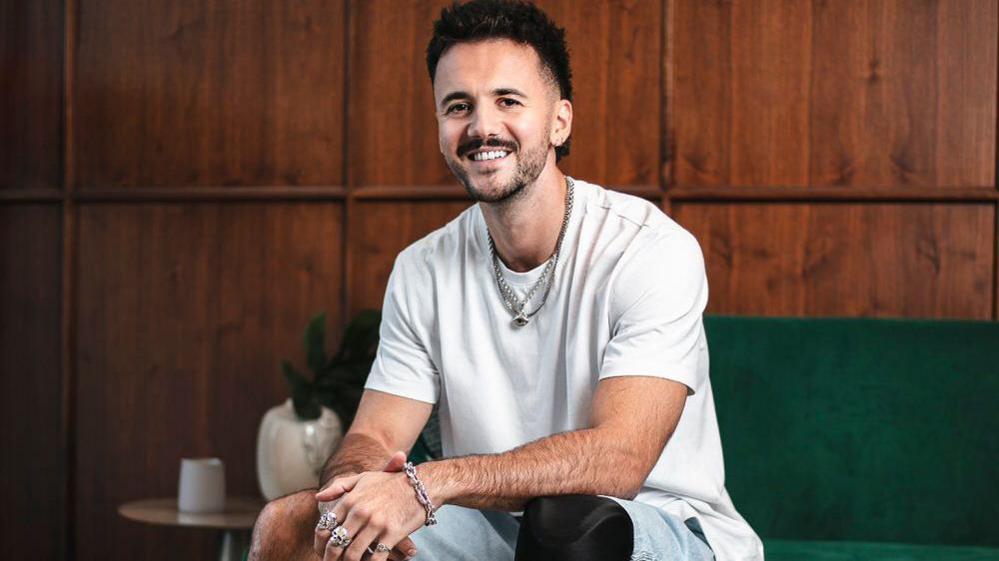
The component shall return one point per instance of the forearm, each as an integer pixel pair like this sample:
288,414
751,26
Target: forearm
586,461
357,453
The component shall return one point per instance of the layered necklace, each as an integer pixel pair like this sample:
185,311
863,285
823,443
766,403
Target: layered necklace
516,305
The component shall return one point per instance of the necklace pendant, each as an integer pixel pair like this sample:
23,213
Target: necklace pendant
520,320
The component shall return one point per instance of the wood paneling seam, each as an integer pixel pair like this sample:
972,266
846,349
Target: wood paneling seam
348,206
70,247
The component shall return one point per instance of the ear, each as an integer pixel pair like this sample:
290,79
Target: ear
561,122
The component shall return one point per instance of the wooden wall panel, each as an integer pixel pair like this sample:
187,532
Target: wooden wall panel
185,313
186,93
31,54
32,436
392,127
966,110
379,232
868,260
616,52
908,96
877,93
740,106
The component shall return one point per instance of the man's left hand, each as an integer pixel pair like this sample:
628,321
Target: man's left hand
375,507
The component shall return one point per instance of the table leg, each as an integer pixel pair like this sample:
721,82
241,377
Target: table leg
234,543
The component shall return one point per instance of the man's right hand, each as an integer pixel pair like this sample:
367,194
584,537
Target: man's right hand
403,550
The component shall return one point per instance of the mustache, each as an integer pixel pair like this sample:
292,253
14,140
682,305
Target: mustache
476,143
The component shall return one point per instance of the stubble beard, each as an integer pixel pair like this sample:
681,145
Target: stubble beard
530,164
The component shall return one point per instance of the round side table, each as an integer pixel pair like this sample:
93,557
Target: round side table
235,521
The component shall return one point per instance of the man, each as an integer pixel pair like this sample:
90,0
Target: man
557,324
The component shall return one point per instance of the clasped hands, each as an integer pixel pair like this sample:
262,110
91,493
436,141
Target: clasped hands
374,507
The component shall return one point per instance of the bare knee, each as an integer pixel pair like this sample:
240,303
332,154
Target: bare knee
284,528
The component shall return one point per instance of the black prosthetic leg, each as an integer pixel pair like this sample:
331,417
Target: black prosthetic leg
575,528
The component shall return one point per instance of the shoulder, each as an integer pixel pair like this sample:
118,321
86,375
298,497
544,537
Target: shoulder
444,240
658,262
626,211
441,245
651,233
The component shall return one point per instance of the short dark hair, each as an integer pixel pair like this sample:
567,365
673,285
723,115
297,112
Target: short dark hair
517,20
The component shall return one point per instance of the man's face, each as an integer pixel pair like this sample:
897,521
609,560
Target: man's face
495,113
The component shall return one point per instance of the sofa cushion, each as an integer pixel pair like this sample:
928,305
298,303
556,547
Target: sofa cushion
782,550
860,429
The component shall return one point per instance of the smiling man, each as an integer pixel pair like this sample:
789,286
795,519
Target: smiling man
558,326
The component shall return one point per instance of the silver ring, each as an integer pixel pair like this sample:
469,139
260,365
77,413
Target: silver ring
327,521
379,547
340,537
326,506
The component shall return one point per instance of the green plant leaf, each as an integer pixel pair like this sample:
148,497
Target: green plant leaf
315,344
360,340
307,408
303,394
355,372
345,401
294,378
338,382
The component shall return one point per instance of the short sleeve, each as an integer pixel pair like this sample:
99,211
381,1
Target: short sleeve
656,305
403,365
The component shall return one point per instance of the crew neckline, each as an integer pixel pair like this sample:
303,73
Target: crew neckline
526,279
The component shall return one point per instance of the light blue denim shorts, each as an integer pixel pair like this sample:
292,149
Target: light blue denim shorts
466,534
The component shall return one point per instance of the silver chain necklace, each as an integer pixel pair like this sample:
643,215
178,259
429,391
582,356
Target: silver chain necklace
510,300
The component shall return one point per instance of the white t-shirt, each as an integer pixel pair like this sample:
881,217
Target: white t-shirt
627,299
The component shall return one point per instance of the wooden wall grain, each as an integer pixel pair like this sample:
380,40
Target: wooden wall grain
183,184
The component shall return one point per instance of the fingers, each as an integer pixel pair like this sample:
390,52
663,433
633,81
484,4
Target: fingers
337,487
332,551
396,555
396,462
351,518
366,537
319,542
406,547
382,555
365,528
403,551
322,535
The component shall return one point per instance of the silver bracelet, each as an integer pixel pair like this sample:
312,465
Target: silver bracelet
421,493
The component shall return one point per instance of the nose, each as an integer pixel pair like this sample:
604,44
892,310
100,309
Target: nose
485,122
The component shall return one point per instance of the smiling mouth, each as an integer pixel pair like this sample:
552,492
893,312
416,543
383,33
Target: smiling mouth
488,155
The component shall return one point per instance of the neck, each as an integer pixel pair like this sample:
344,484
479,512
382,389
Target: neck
525,230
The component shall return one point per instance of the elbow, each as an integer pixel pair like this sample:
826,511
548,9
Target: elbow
624,487
628,476
631,491
626,466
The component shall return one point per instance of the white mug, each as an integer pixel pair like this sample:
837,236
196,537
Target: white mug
202,485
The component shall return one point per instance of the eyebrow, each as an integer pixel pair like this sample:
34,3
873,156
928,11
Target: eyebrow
498,92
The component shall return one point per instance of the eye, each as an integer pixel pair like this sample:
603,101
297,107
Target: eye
508,102
457,108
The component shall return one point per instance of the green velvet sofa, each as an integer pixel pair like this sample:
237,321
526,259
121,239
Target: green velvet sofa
857,439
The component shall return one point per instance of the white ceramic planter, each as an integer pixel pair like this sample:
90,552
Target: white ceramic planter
291,452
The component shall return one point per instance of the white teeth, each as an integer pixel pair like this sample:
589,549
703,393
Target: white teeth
492,155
